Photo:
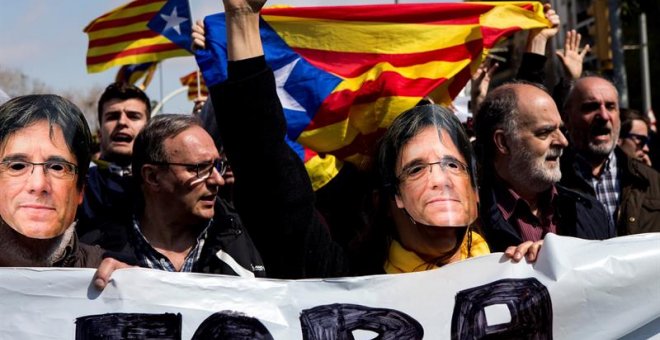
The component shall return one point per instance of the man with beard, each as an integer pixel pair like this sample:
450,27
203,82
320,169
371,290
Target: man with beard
519,142
629,190
123,110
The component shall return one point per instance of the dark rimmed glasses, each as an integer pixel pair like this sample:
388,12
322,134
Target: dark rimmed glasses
420,170
54,169
202,170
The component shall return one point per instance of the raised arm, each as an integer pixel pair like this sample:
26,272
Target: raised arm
273,193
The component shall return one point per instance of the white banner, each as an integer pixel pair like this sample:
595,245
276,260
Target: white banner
577,290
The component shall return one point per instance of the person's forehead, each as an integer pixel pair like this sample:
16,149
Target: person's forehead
639,127
118,103
593,88
536,107
431,140
50,138
191,143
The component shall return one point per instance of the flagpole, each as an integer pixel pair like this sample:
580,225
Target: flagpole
160,76
199,88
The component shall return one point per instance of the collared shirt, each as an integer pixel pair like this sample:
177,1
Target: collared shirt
149,257
606,186
517,212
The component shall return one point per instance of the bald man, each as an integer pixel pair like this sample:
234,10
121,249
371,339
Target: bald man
629,189
520,142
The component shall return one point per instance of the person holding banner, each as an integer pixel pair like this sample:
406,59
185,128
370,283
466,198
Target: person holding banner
427,171
43,162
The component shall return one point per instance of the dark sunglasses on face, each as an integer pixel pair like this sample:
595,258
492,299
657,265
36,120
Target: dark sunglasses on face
640,140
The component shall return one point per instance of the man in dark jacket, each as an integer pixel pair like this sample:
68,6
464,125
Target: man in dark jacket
123,110
181,224
44,158
520,142
628,189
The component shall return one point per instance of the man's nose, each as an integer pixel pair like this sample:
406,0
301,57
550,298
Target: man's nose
37,181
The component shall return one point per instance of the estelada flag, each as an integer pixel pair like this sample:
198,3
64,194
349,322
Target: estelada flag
131,74
190,80
138,32
345,72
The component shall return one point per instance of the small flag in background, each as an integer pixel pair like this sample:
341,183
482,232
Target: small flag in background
131,74
344,73
190,80
138,32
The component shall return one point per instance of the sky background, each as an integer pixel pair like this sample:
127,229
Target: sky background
44,39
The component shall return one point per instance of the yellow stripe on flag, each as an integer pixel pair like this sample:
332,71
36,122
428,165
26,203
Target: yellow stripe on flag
370,37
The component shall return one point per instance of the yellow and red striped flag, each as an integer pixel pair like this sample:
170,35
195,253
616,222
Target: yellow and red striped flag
348,71
190,80
139,32
131,74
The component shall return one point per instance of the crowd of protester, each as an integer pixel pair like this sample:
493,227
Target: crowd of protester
220,191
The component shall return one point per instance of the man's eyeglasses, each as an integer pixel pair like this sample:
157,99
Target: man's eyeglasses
417,171
202,170
640,140
54,169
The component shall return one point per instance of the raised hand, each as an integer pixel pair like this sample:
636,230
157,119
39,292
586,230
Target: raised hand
243,6
480,83
198,36
571,57
538,38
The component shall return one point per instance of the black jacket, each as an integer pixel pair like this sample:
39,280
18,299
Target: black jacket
272,193
578,215
226,234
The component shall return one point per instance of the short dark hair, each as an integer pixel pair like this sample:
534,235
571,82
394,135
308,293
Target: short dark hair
148,145
122,91
409,124
627,118
21,112
499,110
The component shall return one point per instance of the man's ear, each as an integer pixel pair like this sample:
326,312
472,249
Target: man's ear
150,176
81,194
500,141
399,201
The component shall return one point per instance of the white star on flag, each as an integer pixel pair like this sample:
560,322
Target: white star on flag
173,21
281,76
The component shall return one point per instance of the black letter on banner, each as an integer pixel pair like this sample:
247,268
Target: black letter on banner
528,302
231,325
118,326
338,321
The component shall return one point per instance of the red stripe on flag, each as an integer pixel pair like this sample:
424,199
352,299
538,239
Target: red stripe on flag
352,64
492,35
458,82
146,34
336,106
445,13
143,17
133,51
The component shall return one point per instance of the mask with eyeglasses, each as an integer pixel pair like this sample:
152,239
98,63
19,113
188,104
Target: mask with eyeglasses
420,170
202,170
54,169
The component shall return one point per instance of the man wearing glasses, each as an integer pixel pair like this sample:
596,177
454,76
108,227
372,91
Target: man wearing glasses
44,158
181,225
634,137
